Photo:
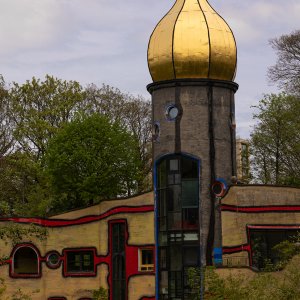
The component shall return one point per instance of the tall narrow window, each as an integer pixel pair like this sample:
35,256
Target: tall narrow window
177,203
118,261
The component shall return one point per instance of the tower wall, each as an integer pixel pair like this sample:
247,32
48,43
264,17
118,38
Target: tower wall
204,129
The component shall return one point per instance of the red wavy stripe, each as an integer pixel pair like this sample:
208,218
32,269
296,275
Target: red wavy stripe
236,249
256,209
82,220
273,226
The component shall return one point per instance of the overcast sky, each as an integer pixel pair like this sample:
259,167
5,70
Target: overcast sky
104,41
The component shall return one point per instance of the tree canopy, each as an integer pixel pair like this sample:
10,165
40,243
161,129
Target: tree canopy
286,71
275,140
91,159
33,113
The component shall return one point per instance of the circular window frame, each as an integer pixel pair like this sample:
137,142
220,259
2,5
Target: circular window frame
169,108
52,265
221,184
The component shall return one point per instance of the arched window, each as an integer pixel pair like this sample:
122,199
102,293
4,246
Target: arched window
25,262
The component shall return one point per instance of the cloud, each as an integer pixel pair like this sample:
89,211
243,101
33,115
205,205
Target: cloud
259,20
106,41
28,24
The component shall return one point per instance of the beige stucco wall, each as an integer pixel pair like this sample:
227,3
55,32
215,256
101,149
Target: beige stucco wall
52,282
234,223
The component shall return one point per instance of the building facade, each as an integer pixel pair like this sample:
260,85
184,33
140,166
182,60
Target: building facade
109,245
143,247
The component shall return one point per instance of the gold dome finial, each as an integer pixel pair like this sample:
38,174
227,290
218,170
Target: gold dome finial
192,41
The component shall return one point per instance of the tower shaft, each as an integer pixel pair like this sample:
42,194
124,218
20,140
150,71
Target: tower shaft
202,134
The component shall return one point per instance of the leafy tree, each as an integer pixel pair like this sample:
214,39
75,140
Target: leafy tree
134,113
24,186
34,112
38,108
6,139
286,71
91,159
275,140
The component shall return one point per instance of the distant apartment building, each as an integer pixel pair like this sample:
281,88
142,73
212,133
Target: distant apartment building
243,160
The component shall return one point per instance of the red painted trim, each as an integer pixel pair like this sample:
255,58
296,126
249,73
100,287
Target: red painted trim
261,209
235,249
110,275
131,257
82,220
278,227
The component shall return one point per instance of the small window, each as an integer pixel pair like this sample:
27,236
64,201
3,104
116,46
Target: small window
174,165
79,263
25,262
172,112
146,260
156,131
53,260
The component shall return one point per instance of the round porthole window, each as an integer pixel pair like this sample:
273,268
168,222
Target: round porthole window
53,260
172,112
219,187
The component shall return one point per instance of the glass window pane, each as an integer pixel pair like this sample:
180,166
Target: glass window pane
162,174
163,238
189,168
175,258
174,165
176,285
174,198
147,256
163,258
190,218
190,256
171,179
190,236
162,203
176,237
163,224
174,221
80,261
164,282
190,192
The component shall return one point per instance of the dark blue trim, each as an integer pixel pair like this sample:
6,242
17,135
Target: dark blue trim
223,181
166,155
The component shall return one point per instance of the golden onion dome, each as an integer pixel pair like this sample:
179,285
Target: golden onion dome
192,41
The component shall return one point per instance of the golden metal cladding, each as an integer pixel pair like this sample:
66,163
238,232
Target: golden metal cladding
192,41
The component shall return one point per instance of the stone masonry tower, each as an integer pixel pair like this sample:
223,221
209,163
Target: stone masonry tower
192,60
